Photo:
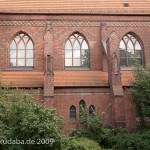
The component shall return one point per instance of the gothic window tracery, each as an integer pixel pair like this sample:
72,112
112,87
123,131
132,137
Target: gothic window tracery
130,51
21,51
76,51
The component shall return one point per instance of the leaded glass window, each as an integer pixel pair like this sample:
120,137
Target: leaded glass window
21,51
76,51
130,51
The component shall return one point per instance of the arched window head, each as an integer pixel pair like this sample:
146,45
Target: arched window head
21,51
81,108
76,51
91,109
130,51
82,104
72,114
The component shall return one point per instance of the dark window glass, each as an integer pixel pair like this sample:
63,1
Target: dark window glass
91,109
81,106
72,114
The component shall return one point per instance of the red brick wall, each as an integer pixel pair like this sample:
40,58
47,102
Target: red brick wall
6,35
65,97
63,103
92,34
130,115
61,34
140,32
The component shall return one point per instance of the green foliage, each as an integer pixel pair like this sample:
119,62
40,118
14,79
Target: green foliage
94,129
136,141
140,92
83,144
23,119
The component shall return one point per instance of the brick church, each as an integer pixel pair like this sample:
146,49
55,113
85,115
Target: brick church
77,52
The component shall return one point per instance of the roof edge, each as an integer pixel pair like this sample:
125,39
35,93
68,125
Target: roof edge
76,12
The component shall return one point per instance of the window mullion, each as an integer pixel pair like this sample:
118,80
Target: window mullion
25,57
134,54
17,55
80,54
25,51
72,44
126,55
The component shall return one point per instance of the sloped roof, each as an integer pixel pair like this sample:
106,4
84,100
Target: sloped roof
61,79
127,78
23,79
76,6
81,78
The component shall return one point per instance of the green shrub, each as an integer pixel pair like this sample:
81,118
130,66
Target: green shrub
140,91
83,144
23,119
94,129
134,141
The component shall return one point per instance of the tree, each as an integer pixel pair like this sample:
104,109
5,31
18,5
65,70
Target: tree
94,128
140,91
24,120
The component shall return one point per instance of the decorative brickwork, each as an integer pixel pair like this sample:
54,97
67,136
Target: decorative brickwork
127,24
22,23
73,23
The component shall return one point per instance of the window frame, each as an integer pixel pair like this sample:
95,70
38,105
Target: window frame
81,104
72,112
137,40
25,49
81,66
91,109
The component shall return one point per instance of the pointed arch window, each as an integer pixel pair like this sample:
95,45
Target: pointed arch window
130,51
82,105
72,114
76,51
91,109
21,51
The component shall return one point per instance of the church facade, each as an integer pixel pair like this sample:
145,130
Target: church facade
76,57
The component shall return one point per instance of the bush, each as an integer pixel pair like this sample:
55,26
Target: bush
140,91
136,141
94,129
83,144
23,119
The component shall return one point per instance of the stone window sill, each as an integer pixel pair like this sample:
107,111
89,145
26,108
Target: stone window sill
20,69
76,68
